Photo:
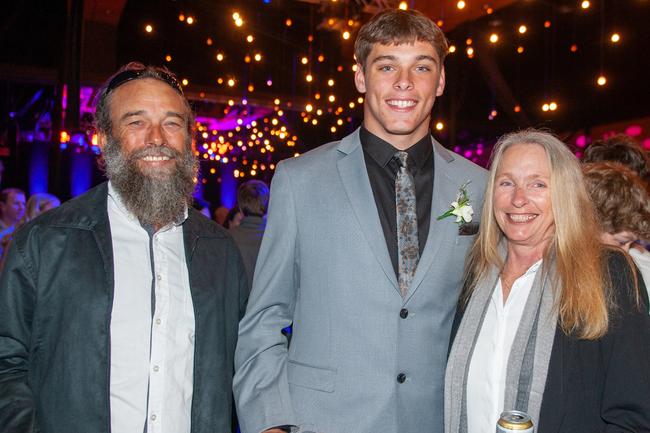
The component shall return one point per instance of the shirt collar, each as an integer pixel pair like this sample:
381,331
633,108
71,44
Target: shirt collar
382,152
115,197
534,267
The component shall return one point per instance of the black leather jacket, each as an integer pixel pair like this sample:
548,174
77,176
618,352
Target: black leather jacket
56,296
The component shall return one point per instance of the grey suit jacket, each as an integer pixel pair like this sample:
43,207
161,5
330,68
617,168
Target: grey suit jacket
324,266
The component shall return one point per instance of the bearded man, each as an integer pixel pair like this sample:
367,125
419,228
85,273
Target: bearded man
119,309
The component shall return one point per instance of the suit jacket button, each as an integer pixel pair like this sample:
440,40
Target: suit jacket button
404,313
401,378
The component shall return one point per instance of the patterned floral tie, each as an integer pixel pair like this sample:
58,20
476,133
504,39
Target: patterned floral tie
408,251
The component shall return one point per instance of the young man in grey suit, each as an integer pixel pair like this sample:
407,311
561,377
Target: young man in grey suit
371,289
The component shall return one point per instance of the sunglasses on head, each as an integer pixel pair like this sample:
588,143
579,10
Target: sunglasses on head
126,76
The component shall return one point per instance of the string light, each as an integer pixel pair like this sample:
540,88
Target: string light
440,126
520,49
461,4
346,35
168,58
494,38
220,57
615,37
585,4
309,78
452,49
258,57
601,81
470,52
190,20
522,29
330,82
549,106
250,39
304,60
403,6
288,22
148,28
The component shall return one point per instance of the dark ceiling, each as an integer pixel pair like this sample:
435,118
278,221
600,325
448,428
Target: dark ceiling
496,78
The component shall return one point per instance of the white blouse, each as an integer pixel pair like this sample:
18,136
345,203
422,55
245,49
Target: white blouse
487,371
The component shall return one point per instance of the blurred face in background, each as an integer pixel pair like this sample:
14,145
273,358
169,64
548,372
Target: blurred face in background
14,208
622,239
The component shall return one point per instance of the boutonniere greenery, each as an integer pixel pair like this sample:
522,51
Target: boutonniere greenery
461,207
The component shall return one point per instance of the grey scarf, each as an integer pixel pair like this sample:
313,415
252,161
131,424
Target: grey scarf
529,357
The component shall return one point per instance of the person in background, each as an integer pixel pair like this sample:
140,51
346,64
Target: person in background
253,201
36,205
119,309
220,215
357,256
234,217
551,322
12,209
622,149
622,202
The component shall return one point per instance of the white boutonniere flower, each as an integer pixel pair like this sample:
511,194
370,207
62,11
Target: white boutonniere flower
460,208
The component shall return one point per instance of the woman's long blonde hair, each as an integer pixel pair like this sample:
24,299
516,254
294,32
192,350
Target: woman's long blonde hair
582,300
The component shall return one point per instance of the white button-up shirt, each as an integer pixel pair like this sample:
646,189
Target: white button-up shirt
152,356
486,380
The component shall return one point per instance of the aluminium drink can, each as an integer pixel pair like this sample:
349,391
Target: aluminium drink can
514,421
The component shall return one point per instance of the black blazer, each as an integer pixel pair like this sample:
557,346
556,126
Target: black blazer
601,386
56,295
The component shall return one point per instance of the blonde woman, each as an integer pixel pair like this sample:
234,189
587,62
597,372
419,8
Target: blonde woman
550,322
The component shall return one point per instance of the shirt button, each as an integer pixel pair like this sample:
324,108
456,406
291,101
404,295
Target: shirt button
158,321
401,378
404,313
153,417
156,368
158,277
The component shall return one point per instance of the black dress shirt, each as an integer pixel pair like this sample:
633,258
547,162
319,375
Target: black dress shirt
382,170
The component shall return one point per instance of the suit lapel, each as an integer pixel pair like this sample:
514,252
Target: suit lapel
444,192
354,176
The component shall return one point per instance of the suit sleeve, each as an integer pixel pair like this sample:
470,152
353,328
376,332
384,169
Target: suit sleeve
626,395
260,384
17,304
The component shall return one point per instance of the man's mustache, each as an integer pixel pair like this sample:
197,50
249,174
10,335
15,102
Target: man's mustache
161,150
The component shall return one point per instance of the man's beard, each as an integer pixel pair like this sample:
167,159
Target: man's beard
156,196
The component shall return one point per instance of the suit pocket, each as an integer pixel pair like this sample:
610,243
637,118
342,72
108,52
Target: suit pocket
307,376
